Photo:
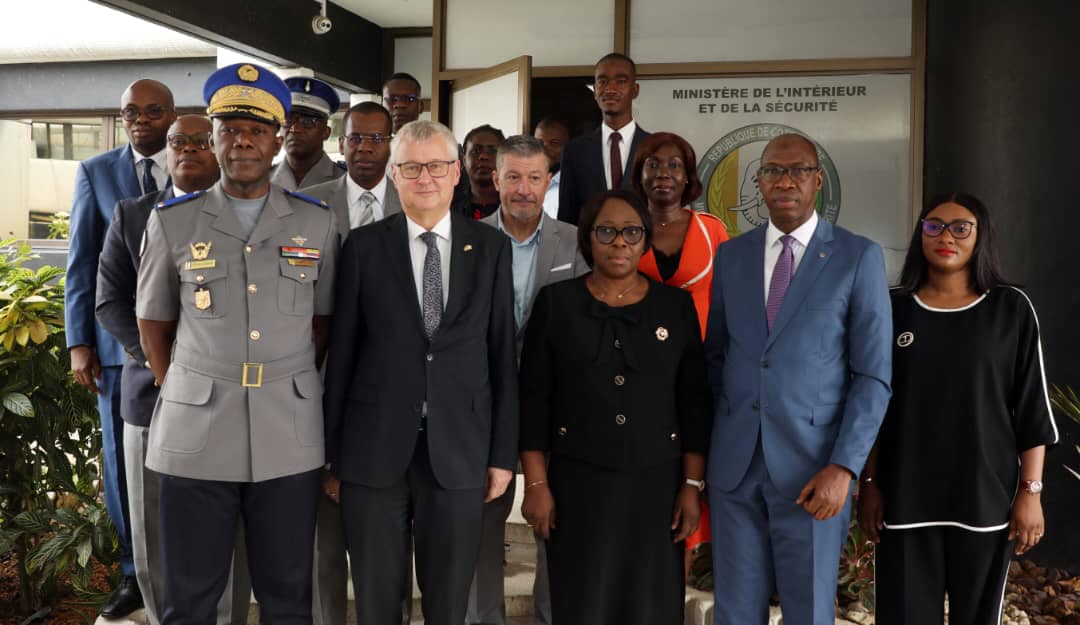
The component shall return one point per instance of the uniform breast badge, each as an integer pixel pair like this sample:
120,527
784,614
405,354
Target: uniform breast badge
299,240
202,298
300,256
199,260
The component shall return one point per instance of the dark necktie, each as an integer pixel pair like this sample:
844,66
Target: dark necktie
616,161
149,185
432,287
781,279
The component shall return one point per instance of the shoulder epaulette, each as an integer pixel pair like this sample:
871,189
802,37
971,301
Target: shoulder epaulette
307,198
187,197
342,166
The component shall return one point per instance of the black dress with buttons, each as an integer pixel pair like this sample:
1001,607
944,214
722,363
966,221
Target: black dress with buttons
616,396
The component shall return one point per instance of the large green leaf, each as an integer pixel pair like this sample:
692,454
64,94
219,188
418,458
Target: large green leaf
33,521
19,404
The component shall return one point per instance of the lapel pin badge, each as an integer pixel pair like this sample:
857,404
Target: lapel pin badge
299,240
821,254
468,248
661,333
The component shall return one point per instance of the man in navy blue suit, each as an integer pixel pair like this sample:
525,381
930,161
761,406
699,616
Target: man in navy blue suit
799,360
601,159
97,358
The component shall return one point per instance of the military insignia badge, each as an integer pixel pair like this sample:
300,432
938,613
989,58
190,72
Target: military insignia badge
299,240
199,251
661,333
247,73
300,252
202,298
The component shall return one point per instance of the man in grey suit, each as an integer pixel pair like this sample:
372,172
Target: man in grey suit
191,167
544,251
365,195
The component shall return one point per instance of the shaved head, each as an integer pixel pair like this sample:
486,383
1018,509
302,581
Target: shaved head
158,88
788,139
147,110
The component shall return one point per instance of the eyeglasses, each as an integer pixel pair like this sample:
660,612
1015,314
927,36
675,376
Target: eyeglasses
154,112
411,98
357,140
436,169
771,174
477,151
180,141
306,122
630,234
959,229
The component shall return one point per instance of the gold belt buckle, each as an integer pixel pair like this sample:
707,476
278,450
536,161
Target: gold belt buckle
245,378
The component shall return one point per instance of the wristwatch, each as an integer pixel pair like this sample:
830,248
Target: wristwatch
1031,487
698,484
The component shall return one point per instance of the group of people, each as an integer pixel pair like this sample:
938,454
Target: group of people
361,366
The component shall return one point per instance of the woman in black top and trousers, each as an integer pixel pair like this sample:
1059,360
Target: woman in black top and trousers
613,388
942,493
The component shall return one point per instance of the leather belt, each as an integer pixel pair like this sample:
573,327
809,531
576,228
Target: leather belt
247,374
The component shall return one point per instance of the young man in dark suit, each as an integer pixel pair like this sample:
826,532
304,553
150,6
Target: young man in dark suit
421,387
601,160
146,108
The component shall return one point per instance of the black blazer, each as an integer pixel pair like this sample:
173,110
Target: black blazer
381,367
583,172
118,272
616,387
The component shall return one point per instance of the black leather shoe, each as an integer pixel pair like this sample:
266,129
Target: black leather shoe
125,599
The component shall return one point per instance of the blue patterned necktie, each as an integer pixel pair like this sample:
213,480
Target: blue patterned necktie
432,287
149,185
781,279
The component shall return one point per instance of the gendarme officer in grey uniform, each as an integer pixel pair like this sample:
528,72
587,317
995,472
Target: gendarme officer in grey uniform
238,286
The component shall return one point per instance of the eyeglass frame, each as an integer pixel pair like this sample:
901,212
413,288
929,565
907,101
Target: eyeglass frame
619,232
424,166
923,223
189,140
307,122
357,139
798,175
135,112
409,98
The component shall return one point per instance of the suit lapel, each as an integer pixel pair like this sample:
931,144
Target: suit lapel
639,135
397,255
597,141
815,257
462,266
340,205
215,203
391,203
545,256
124,173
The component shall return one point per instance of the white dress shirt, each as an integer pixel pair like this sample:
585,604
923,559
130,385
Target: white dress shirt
353,192
627,133
418,251
773,247
157,170
551,196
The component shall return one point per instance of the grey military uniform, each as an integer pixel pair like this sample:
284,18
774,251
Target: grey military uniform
242,400
323,171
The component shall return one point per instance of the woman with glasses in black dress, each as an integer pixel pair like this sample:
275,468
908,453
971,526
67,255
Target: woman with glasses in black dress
613,389
951,490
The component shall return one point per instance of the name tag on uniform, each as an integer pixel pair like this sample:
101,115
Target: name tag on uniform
202,299
299,252
209,263
301,262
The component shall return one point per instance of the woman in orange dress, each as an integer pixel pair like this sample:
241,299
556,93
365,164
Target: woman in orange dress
684,240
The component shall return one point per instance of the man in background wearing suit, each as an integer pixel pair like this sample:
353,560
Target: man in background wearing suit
364,196
192,167
146,108
367,194
799,359
306,163
601,160
421,387
544,251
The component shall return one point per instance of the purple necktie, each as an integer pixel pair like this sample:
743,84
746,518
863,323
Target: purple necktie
781,278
